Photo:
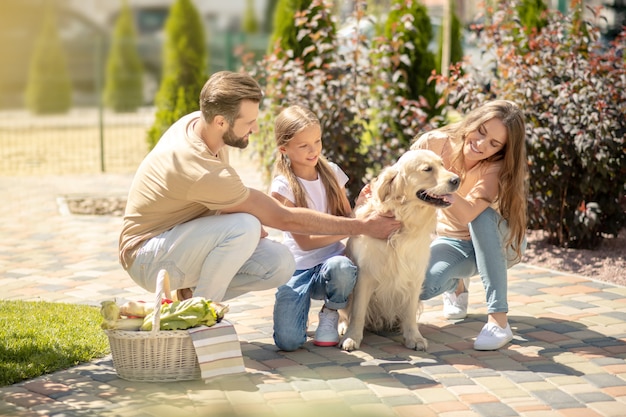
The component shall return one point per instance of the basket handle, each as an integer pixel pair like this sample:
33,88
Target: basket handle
162,290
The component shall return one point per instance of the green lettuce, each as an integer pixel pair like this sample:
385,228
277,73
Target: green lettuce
181,315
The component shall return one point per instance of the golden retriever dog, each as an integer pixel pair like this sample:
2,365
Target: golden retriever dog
391,272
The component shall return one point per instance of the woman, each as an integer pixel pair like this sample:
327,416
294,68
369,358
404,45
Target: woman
483,232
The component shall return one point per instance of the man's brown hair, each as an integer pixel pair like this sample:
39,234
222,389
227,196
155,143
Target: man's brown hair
223,93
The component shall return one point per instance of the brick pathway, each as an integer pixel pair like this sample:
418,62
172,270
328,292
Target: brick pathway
567,357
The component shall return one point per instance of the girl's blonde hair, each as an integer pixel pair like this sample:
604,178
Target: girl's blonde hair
512,187
289,122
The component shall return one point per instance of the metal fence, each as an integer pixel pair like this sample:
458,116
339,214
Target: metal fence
85,140
90,138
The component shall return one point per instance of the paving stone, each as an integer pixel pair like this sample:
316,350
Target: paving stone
550,369
607,295
360,398
607,409
419,410
433,395
605,380
556,399
400,400
522,376
414,381
440,370
456,381
494,409
593,397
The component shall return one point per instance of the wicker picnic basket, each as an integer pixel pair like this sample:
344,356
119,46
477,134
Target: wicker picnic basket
156,355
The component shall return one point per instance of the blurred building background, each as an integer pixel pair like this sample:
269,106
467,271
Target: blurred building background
221,14
86,26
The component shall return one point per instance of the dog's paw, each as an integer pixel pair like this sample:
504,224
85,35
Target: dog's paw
416,343
348,344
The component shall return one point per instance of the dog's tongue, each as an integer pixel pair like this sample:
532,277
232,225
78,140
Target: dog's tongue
448,198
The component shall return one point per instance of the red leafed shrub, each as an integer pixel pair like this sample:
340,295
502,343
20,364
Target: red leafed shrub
572,88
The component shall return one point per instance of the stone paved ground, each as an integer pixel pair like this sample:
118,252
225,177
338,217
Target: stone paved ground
567,358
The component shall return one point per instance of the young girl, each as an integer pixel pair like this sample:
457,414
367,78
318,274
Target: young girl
483,232
304,178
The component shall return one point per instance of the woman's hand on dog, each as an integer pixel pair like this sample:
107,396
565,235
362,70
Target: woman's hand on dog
364,195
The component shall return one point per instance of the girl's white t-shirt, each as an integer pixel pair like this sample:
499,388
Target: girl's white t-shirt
316,200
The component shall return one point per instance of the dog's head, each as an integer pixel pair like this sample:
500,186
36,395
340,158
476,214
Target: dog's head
418,176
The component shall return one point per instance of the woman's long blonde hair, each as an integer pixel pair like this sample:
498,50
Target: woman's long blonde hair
512,187
289,122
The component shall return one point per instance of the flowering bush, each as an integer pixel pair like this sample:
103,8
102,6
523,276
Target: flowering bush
573,92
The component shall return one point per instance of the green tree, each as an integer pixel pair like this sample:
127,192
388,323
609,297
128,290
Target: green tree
123,90
531,14
407,33
184,68
268,21
456,47
290,16
285,30
49,89
250,23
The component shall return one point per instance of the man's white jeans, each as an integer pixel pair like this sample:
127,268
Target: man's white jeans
221,256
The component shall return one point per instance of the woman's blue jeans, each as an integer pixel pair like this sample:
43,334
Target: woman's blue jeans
331,281
485,255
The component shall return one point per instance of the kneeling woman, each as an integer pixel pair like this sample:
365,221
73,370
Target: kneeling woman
483,232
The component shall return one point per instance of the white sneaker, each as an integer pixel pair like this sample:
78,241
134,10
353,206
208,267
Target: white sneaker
455,306
493,337
326,333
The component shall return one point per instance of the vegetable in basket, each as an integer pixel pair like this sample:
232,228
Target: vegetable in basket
135,309
113,320
192,312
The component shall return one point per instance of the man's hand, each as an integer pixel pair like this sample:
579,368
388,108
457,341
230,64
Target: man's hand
381,226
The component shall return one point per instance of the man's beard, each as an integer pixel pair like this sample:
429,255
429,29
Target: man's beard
233,140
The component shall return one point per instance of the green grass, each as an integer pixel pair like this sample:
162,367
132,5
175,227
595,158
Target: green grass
38,337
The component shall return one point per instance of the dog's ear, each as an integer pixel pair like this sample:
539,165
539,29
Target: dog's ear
384,183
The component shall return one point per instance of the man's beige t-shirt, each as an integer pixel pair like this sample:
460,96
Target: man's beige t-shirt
480,183
178,181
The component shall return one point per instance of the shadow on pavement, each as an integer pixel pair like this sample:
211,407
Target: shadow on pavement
542,347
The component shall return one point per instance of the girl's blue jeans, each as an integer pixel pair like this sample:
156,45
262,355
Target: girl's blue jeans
331,281
484,254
